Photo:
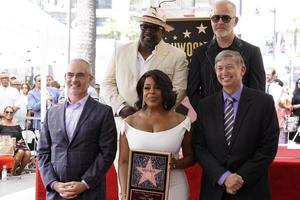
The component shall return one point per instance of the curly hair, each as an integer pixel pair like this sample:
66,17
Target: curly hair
163,82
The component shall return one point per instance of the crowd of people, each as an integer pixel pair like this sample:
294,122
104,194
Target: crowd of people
234,138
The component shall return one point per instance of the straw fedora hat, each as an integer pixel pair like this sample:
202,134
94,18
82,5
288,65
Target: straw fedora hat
155,16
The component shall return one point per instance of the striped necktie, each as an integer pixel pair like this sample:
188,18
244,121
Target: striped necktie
228,119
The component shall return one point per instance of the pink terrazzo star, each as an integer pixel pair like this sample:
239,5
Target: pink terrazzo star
148,173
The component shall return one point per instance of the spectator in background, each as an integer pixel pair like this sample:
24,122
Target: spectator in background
277,80
9,127
24,107
272,87
296,106
296,98
202,79
16,84
284,112
12,77
49,78
97,88
9,95
55,84
34,100
93,93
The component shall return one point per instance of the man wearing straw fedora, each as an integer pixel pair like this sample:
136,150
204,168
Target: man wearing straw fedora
130,61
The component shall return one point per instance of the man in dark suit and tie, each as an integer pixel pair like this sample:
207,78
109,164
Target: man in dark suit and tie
235,141
78,141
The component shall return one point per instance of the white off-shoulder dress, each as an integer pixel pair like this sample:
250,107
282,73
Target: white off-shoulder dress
167,141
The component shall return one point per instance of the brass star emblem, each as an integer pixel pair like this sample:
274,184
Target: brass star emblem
201,28
186,34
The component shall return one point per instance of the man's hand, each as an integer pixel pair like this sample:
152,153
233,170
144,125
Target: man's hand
233,183
126,111
62,189
69,190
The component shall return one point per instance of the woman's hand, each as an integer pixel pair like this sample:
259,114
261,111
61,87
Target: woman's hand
173,164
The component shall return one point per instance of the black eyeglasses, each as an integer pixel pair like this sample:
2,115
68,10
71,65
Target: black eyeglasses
153,28
298,83
9,112
225,18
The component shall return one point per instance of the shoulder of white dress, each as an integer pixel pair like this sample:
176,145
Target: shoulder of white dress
186,123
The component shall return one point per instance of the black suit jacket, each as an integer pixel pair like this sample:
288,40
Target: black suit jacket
87,156
202,80
253,146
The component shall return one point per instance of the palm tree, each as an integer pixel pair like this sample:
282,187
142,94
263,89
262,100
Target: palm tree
83,39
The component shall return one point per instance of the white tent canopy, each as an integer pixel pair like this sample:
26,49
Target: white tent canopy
26,32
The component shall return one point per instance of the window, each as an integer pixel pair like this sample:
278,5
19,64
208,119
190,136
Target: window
103,4
100,21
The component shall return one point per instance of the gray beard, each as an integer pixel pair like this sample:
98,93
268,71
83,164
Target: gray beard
222,34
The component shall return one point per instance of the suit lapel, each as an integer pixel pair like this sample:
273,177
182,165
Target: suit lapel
87,109
243,107
219,114
131,60
211,53
62,120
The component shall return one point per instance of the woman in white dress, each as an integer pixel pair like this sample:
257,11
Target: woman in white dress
157,127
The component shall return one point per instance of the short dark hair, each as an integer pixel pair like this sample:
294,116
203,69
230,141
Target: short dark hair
36,76
163,82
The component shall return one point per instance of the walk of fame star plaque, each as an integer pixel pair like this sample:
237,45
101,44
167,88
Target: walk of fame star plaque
148,175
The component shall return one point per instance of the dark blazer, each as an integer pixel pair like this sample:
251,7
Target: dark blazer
202,79
253,145
87,156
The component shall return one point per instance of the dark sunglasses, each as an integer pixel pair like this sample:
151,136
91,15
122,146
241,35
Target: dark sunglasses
9,112
225,18
153,28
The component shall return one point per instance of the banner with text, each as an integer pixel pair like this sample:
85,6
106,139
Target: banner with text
189,34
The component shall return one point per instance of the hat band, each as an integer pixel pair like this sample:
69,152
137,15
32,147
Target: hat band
155,18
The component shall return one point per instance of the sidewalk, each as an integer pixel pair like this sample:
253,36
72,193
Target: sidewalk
18,188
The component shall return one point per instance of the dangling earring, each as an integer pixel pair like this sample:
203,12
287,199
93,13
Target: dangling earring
165,106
